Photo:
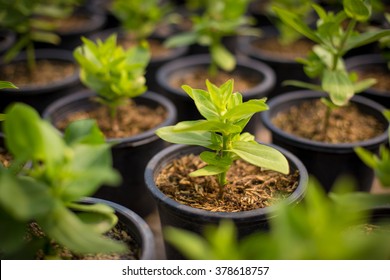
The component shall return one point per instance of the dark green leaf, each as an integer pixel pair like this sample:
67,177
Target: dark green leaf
84,132
199,138
357,9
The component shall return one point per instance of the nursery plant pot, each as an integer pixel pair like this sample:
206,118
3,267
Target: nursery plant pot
39,96
173,213
326,161
135,226
130,154
377,65
159,54
286,68
263,76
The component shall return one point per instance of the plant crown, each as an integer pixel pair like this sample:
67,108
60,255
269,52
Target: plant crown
225,115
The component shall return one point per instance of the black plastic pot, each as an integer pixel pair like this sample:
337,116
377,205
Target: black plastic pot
40,96
136,227
185,105
155,62
130,155
178,215
285,69
324,160
7,39
363,63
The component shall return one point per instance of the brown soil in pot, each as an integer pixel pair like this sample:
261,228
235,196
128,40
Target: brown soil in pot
196,79
132,119
346,124
119,233
248,186
272,47
5,158
72,23
46,72
381,74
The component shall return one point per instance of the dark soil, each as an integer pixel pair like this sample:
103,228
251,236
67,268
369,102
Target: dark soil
272,47
132,119
381,74
119,233
5,158
346,124
248,186
46,72
196,78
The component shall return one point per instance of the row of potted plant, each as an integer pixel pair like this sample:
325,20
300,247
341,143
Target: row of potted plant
113,75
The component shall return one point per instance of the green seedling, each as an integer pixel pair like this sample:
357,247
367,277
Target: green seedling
220,19
60,172
325,62
225,115
140,17
32,21
115,74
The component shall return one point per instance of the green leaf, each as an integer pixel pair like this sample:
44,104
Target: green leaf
246,110
223,58
67,229
261,155
214,159
10,239
184,39
361,86
366,156
24,198
338,85
205,125
83,132
357,9
190,244
302,85
4,84
203,102
365,38
199,138
297,23
209,170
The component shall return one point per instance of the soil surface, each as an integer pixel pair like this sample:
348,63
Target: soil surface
46,72
132,119
5,158
346,124
119,233
157,50
272,47
197,79
72,23
381,74
248,186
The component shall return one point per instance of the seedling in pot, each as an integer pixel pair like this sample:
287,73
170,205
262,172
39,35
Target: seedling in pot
325,61
60,172
140,17
220,19
225,115
31,20
115,74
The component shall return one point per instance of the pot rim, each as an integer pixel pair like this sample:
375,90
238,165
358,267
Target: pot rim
167,154
203,60
145,233
302,95
135,140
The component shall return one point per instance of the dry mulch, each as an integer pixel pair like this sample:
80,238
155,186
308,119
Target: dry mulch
248,186
381,74
197,79
46,72
119,233
274,48
132,119
346,124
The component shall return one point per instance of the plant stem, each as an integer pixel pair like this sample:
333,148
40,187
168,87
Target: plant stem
326,121
348,32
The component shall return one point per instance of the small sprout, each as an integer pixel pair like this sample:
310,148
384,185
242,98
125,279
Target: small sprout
115,74
225,115
220,19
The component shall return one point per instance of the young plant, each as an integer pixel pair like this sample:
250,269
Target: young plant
60,172
325,61
318,228
115,74
220,19
30,19
140,17
381,163
225,115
